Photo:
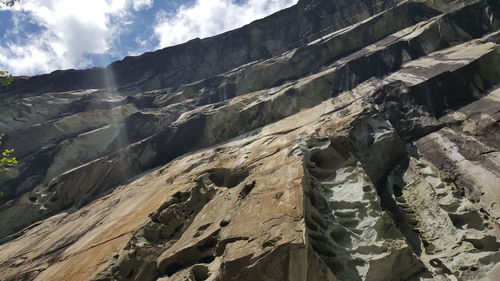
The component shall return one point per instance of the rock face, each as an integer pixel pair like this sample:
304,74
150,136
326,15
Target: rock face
333,140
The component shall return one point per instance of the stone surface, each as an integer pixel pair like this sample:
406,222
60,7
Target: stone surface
329,141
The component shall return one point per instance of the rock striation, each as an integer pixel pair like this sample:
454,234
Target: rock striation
333,140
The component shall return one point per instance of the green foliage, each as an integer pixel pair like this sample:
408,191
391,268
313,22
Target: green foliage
5,78
8,3
7,160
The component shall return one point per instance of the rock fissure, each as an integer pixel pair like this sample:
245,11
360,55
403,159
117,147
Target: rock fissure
367,151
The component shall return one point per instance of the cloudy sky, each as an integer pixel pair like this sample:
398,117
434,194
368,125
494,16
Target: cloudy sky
39,36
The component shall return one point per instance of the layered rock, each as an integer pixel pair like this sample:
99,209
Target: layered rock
348,142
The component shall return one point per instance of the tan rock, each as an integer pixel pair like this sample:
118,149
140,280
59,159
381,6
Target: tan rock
367,151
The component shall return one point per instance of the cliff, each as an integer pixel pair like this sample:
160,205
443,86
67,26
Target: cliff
333,140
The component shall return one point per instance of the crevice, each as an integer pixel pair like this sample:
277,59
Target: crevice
227,178
247,188
203,253
389,190
166,225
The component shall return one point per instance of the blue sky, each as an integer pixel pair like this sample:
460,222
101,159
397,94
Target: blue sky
40,36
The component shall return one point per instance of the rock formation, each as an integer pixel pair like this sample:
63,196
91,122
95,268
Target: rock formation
333,140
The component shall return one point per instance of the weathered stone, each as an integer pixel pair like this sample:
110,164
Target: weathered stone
329,141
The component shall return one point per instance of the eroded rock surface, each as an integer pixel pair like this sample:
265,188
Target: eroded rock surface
350,141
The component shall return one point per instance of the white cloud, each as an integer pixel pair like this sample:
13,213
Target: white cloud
210,17
70,29
142,4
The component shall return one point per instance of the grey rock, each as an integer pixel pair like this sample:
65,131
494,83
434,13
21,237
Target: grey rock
333,140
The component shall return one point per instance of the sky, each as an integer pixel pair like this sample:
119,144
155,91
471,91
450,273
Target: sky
40,36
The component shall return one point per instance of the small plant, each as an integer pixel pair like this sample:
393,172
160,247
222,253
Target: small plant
7,160
8,3
5,79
